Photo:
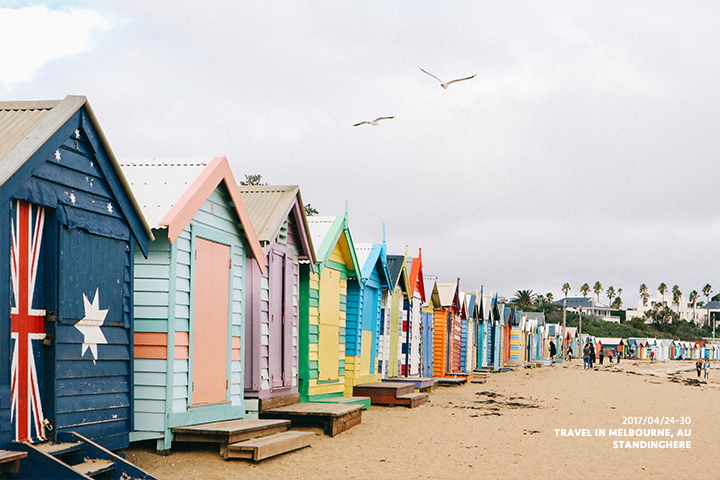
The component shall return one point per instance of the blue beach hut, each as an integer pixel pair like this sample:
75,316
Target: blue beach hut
69,229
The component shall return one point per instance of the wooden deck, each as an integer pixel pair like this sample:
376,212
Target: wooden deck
422,384
392,393
10,460
364,401
231,431
453,381
333,417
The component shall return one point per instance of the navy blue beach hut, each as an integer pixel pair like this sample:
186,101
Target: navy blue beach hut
68,229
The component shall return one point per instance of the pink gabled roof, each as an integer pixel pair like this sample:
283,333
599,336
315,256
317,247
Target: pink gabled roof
199,191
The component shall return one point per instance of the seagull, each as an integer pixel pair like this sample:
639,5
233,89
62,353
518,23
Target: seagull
373,122
447,84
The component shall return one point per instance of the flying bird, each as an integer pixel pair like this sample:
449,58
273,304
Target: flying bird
373,122
447,84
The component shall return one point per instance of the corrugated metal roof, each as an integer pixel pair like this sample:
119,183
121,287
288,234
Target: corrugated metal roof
446,291
159,186
429,281
268,206
362,250
320,227
18,119
27,126
395,264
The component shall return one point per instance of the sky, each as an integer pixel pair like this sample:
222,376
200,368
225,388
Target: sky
585,149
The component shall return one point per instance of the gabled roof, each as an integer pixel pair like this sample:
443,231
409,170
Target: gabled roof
326,232
429,282
369,255
448,293
397,265
269,206
415,276
172,193
26,126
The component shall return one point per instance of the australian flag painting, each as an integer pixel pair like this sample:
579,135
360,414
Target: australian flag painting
27,321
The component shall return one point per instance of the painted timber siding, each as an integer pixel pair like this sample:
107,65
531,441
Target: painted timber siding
441,341
326,328
363,321
258,356
384,337
164,308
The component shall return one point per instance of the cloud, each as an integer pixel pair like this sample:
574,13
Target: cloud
31,37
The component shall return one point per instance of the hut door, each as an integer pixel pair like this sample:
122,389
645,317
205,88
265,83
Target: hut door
210,324
27,321
277,319
329,334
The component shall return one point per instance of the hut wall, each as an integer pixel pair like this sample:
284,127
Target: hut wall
264,375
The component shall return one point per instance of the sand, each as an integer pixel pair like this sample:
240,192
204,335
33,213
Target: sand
510,426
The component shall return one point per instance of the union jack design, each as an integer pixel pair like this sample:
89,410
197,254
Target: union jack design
28,322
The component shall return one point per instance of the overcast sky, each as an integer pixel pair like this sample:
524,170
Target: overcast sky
586,148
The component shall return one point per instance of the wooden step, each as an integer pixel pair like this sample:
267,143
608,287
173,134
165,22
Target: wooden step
231,431
261,448
58,448
334,418
94,466
412,400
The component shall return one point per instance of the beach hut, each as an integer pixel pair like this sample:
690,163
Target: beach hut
70,226
272,305
323,308
448,330
411,342
428,326
395,314
362,330
190,296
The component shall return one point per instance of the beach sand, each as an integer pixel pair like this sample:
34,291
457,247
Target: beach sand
505,428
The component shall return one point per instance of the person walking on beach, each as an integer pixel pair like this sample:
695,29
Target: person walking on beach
619,354
652,357
602,354
610,355
586,357
553,350
698,367
706,368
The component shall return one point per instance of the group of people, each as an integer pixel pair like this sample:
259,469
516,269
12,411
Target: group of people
590,357
704,367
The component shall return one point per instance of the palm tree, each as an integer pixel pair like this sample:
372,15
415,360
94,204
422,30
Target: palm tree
566,289
693,300
549,297
597,288
617,304
677,294
585,289
707,290
610,292
524,298
644,294
662,289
